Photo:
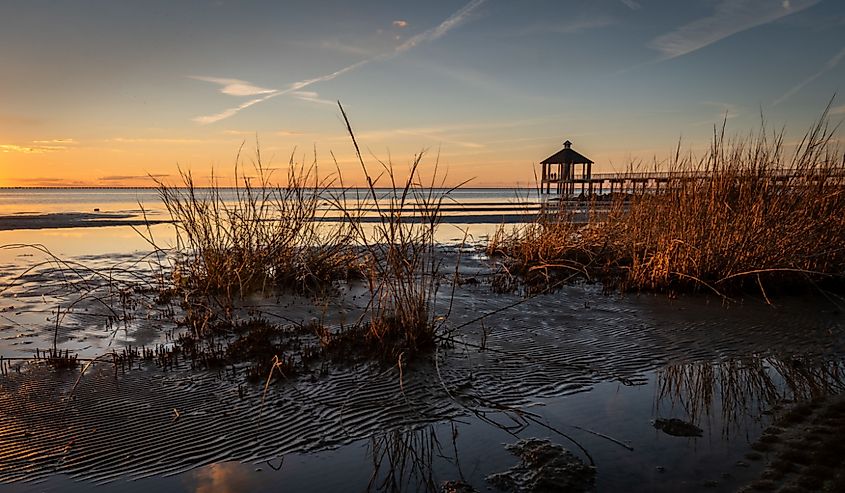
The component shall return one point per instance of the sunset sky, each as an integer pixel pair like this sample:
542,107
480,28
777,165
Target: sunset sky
107,92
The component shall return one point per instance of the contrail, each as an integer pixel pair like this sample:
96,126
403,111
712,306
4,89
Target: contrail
432,34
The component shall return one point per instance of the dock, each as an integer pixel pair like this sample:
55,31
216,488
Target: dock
562,175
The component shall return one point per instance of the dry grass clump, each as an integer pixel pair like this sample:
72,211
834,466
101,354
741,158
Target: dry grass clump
400,262
760,218
547,252
257,235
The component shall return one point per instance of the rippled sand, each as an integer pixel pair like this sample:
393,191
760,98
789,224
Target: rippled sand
140,422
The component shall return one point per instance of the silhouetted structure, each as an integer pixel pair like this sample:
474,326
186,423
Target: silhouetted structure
564,176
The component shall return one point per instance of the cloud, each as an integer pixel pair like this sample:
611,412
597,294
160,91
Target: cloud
444,27
51,182
235,87
729,18
130,177
631,4
311,97
827,67
400,23
432,34
838,110
231,111
39,146
56,142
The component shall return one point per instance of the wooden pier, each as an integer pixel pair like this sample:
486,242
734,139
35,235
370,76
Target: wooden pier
561,175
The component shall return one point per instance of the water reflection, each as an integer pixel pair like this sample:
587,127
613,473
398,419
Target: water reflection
223,477
744,389
404,459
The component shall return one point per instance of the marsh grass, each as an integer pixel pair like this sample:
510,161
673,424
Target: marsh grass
260,238
399,252
266,237
762,219
549,251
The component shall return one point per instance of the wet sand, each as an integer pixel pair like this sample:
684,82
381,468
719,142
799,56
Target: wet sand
577,358
72,220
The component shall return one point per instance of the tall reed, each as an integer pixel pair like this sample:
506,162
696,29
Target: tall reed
256,235
760,215
399,254
747,214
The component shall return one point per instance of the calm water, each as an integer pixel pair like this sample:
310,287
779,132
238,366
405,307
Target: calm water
15,201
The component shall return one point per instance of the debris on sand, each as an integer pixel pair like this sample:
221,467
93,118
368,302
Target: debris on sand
544,467
677,427
457,487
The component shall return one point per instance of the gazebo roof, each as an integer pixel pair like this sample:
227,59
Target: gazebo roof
566,156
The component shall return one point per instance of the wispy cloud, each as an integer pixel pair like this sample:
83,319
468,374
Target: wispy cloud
130,177
432,34
400,23
827,67
6,148
631,4
311,97
838,110
440,30
56,142
50,182
235,87
729,18
39,146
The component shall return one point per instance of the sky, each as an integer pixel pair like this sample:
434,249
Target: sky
117,93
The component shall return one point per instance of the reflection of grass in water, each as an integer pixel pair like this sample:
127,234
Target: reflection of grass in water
747,226
403,459
745,387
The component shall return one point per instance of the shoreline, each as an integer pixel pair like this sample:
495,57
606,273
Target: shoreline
61,220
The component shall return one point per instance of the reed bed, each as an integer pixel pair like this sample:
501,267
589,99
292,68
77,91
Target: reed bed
399,255
267,237
261,238
761,219
254,237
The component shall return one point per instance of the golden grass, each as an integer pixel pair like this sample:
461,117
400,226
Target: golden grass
258,237
760,218
399,254
264,237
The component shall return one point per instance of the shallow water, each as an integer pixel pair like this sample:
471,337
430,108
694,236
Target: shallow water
577,359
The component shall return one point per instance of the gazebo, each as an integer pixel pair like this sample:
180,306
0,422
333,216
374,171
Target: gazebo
564,176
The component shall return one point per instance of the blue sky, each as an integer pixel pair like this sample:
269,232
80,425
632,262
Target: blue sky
106,92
